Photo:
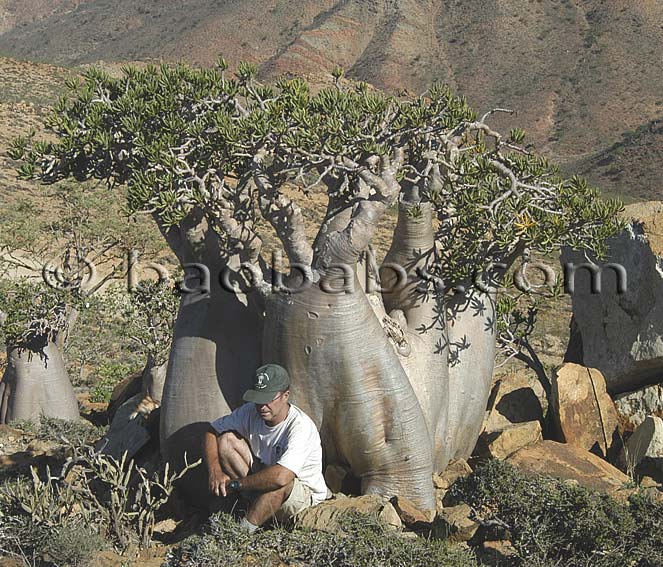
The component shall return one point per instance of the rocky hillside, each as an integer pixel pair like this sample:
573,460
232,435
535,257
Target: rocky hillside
582,73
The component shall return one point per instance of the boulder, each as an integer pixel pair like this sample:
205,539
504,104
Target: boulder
455,470
503,442
634,407
409,514
644,449
328,515
455,524
514,399
622,333
583,412
572,463
134,424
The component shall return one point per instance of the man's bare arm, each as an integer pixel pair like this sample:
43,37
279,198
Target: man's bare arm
267,479
217,478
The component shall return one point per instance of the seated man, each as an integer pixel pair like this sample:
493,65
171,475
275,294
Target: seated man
269,449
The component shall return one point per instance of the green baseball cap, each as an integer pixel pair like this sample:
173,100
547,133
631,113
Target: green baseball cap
270,380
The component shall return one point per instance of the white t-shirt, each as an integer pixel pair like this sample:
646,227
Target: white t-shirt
294,443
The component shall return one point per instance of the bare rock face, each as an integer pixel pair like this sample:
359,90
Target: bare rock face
644,449
634,407
584,413
622,333
573,464
504,442
514,399
455,524
328,515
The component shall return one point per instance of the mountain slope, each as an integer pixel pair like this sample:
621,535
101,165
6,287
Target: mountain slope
580,73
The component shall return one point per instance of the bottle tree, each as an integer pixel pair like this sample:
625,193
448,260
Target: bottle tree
393,362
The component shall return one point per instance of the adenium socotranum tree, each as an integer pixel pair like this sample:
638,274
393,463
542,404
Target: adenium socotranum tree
393,364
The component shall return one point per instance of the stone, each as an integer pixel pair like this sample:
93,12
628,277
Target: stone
455,469
409,514
644,449
583,412
497,553
454,524
621,334
514,399
571,463
328,515
634,407
130,430
504,442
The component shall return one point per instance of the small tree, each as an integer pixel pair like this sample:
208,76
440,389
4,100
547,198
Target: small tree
70,241
35,381
394,365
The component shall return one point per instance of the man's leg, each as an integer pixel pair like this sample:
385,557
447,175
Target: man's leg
266,504
234,454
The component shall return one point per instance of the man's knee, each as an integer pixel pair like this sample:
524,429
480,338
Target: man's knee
229,441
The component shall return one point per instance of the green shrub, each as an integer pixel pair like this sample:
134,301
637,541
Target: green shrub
109,375
363,542
555,523
77,433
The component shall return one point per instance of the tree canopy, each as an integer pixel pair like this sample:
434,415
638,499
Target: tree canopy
182,138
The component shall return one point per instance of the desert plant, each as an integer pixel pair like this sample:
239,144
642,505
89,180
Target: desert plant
117,497
362,542
556,523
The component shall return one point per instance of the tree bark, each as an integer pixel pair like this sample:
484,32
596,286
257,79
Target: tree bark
215,351
36,383
472,337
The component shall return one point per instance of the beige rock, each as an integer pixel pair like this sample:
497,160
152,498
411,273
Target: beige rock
409,514
328,515
455,525
571,463
504,442
455,470
497,552
644,449
620,333
584,413
513,399
634,407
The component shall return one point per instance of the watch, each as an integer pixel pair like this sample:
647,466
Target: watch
234,485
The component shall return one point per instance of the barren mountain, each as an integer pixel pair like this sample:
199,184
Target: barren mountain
580,73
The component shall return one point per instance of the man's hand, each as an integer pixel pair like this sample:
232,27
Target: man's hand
217,481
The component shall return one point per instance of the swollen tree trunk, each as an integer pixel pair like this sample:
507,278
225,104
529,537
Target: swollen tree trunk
348,378
421,303
36,383
472,346
215,350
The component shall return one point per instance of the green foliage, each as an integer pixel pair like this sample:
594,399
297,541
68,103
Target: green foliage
145,316
31,311
77,433
363,542
188,140
109,374
555,523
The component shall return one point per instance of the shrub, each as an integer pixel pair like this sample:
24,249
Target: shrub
555,523
363,542
110,373
76,433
